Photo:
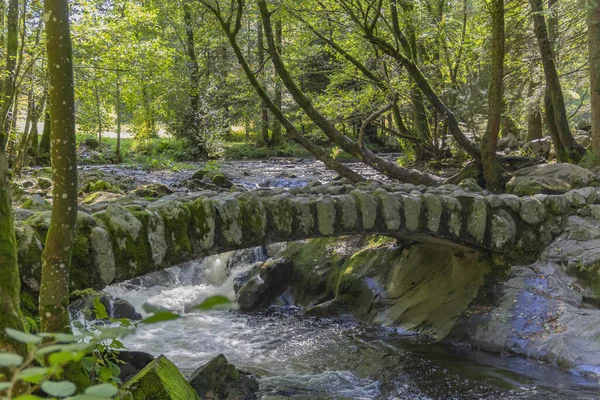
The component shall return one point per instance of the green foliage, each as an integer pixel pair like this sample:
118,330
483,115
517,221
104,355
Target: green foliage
590,160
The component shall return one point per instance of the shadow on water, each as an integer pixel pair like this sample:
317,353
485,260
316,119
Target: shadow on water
309,358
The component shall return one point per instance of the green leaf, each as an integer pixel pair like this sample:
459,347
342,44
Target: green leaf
114,332
149,308
214,303
105,373
4,385
100,309
63,347
22,337
161,316
10,360
61,337
65,357
59,389
29,397
105,389
34,374
85,396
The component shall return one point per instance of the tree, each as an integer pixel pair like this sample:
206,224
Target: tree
56,258
10,286
555,100
593,21
491,166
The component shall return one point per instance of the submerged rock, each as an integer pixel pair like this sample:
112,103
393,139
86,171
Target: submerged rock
220,380
160,380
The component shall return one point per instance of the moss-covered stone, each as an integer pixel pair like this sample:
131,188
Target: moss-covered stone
176,217
412,211
160,380
218,379
280,212
304,220
477,219
325,215
433,207
129,240
346,213
390,209
228,221
367,208
203,224
99,185
254,223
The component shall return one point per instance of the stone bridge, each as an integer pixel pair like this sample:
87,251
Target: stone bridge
133,236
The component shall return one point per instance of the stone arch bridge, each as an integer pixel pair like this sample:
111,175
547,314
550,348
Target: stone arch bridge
133,236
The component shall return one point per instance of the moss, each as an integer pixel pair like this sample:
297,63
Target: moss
254,223
176,218
160,380
29,305
99,185
82,293
281,217
129,237
202,224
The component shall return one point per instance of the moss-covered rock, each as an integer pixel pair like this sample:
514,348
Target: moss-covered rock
152,191
203,224
129,239
218,379
160,380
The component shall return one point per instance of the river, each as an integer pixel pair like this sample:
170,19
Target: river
297,357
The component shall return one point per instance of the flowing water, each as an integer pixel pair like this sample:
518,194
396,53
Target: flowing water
307,358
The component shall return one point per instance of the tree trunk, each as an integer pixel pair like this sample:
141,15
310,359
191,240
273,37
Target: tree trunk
593,21
534,112
118,107
98,116
10,285
491,167
361,152
276,134
56,258
574,150
45,140
291,130
264,113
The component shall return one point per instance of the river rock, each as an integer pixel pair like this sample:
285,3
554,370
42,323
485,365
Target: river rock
549,179
271,281
132,363
218,379
44,183
160,380
153,190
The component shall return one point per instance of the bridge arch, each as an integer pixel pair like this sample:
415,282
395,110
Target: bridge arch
133,237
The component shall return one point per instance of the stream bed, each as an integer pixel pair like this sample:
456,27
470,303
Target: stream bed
298,357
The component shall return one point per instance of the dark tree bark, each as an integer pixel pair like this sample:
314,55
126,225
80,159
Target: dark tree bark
491,167
264,112
593,21
276,133
44,148
574,150
534,113
56,258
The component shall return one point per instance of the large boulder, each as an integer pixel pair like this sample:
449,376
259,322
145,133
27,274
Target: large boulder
539,147
549,179
271,281
220,380
160,380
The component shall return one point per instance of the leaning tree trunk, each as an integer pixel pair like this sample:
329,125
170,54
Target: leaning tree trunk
593,21
492,171
574,150
56,258
291,130
362,153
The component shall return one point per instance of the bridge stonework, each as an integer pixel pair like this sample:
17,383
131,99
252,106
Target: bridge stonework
133,236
